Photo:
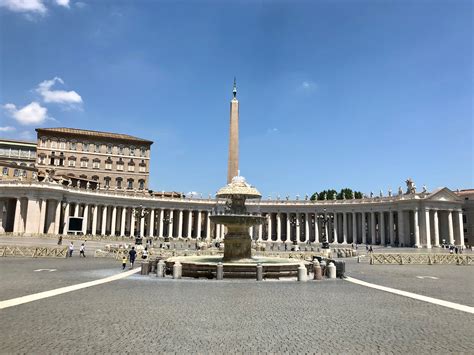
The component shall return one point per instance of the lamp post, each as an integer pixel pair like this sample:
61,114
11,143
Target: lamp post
294,222
324,221
139,213
167,220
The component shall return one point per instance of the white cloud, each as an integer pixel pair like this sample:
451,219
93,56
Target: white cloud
58,96
64,3
7,129
308,85
33,113
28,6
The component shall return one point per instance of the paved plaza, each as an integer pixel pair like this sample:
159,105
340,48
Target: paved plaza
146,314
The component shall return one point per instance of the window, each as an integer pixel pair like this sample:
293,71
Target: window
73,145
142,168
96,164
62,145
118,182
54,144
16,172
120,166
141,184
130,184
43,142
132,151
72,162
131,167
95,178
108,164
109,149
107,182
85,147
41,159
143,152
120,150
5,171
84,162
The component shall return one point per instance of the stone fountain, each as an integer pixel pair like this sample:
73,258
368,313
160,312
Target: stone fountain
237,241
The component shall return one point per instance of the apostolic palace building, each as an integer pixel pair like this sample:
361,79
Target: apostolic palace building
103,178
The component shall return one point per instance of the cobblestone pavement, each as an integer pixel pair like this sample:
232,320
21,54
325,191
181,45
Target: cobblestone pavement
143,314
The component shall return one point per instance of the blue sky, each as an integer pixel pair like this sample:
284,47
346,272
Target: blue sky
333,94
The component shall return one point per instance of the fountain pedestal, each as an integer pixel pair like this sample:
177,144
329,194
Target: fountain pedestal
237,244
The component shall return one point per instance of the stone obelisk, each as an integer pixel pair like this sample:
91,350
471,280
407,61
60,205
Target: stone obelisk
233,163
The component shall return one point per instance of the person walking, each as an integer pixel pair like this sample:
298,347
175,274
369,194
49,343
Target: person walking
124,262
132,254
82,250
71,249
60,240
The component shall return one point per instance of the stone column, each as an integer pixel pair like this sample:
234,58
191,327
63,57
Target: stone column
123,219
76,209
354,228
335,228
198,234
57,217
401,228
171,224
288,227
66,218
298,225
2,219
251,232
461,228
42,221
180,223
450,227
94,219
316,228
373,231
190,225
151,224
278,222
208,226
260,232
114,221
427,228
391,231
326,229
363,227
269,227
160,224
306,228
218,231
382,228
142,225
18,222
104,220
85,219
32,216
344,227
436,228
132,222
416,227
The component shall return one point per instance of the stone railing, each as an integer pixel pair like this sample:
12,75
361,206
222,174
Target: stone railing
33,252
421,259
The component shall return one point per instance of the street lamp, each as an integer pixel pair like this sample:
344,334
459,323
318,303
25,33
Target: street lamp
324,221
294,222
167,220
139,213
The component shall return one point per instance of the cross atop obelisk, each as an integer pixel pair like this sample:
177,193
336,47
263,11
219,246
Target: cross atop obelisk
233,163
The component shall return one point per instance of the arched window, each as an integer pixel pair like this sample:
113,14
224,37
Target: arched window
16,172
84,162
96,163
95,178
118,182
131,165
130,184
120,164
71,161
5,171
141,184
83,177
107,181
108,164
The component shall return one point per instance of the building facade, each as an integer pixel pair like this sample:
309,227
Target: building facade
114,161
21,153
407,220
468,214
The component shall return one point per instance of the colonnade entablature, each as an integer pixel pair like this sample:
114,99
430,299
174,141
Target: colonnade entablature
418,219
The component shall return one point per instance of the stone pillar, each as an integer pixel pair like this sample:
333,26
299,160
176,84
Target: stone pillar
233,162
218,231
326,228
316,228
260,232
114,221
123,219
416,228
344,227
306,228
461,228
66,218
335,228
298,227
76,209
436,228
288,227
18,222
269,227
450,227
160,223
94,220
2,219
132,222
190,225
32,216
142,224
180,223
198,233
104,220
151,224
85,219
401,228
427,228
171,224
208,226
57,217
382,228
354,228
278,222
373,231
391,231
42,221
363,227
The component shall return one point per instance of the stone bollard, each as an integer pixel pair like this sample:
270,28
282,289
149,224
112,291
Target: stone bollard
323,267
318,275
177,270
160,269
259,272
302,273
358,259
220,271
332,270
144,268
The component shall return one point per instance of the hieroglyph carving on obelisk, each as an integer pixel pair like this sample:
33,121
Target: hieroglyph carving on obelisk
233,163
